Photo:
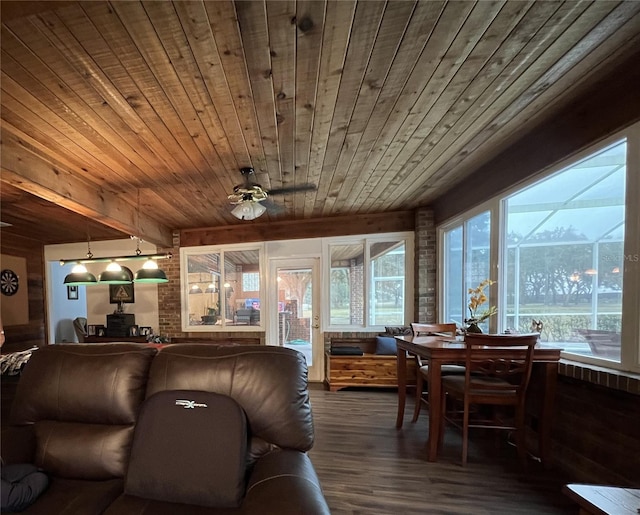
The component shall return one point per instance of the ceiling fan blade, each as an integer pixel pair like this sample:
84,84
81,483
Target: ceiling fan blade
272,207
293,189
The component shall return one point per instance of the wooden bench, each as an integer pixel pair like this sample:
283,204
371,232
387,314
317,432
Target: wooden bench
370,369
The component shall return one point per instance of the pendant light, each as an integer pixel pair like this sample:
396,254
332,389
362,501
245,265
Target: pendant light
195,289
79,275
150,273
116,274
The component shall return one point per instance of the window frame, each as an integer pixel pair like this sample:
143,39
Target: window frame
367,240
630,329
490,207
185,252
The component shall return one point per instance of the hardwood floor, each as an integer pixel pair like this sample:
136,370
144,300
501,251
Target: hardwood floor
366,466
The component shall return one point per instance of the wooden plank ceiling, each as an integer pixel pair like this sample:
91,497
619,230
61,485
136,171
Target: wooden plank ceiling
138,115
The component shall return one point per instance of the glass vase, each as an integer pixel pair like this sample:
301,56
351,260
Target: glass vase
473,327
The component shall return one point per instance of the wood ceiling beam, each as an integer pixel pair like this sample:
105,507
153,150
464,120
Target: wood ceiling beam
326,227
35,174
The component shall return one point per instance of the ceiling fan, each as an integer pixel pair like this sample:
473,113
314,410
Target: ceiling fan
252,200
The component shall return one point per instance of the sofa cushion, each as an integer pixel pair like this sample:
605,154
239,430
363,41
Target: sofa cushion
283,417
189,447
82,401
386,345
82,451
99,384
398,331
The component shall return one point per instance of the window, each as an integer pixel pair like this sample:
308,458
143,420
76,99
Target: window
346,299
387,283
466,265
250,281
567,258
368,282
221,288
565,251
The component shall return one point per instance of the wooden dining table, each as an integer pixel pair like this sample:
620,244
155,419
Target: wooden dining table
438,350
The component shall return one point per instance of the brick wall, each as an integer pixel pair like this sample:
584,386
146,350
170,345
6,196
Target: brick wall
169,293
425,267
356,274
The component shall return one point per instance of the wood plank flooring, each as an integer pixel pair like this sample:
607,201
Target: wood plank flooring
366,466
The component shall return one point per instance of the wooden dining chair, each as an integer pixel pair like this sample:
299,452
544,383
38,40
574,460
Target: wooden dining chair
422,396
497,372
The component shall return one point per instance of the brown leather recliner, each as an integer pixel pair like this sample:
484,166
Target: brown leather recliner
268,383
74,415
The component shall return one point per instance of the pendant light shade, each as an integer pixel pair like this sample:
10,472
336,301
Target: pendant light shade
115,274
150,273
195,289
79,276
248,210
211,289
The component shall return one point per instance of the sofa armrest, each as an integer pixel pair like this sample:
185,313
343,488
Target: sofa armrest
18,444
284,482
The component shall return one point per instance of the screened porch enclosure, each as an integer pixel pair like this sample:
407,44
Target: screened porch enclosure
561,257
565,255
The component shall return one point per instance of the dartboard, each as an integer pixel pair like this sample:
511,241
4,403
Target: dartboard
8,282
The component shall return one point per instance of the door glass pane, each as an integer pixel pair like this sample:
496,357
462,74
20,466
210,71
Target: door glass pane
387,283
295,297
346,287
565,239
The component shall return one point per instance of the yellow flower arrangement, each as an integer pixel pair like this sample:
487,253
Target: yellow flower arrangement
477,299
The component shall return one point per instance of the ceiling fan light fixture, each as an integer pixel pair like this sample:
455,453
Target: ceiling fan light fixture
79,276
248,210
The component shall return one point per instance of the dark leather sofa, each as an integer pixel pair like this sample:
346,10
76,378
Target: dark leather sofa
76,415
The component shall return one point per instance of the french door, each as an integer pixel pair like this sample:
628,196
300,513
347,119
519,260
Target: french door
295,313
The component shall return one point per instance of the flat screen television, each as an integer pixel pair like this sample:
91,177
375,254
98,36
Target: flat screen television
252,303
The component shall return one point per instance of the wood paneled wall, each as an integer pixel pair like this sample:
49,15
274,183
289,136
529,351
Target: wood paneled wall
20,337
